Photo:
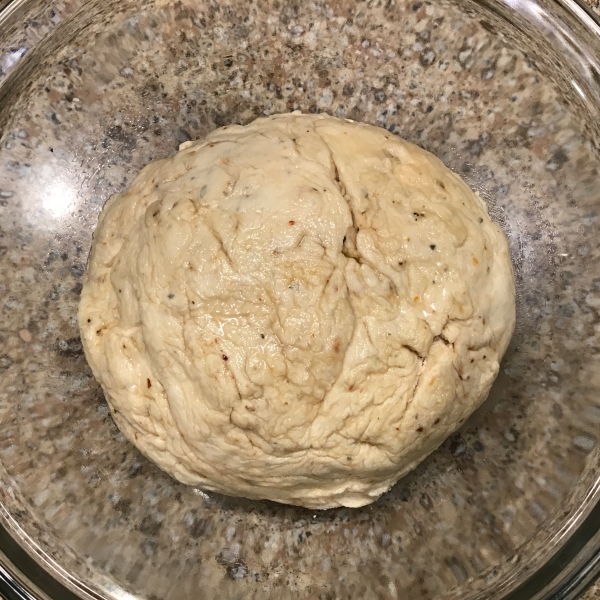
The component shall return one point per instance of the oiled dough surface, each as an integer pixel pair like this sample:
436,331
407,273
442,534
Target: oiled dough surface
300,309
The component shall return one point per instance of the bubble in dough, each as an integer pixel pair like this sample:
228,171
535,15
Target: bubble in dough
300,309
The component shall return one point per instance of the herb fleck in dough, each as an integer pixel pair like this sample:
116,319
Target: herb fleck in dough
301,309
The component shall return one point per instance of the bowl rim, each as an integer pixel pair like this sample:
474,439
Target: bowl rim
27,574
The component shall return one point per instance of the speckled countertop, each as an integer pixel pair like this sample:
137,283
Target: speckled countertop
137,79
594,4
594,591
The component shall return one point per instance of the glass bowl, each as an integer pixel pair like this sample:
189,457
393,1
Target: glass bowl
506,93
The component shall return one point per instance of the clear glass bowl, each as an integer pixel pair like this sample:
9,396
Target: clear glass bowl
505,92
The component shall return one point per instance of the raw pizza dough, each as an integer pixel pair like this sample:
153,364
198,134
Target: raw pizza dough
300,309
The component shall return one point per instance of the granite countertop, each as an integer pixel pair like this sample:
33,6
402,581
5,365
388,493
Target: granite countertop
594,592
594,4
133,88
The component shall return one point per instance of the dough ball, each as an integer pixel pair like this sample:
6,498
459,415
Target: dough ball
301,309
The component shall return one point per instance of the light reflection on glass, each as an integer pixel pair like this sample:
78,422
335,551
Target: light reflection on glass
119,593
11,58
578,89
59,198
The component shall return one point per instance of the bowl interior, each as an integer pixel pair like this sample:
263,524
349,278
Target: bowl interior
117,84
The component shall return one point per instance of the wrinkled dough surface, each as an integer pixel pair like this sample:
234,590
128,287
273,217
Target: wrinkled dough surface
300,309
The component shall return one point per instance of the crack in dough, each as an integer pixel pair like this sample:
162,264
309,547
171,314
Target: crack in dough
317,304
